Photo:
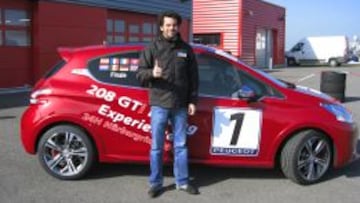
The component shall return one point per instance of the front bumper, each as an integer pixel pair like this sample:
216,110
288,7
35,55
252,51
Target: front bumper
345,144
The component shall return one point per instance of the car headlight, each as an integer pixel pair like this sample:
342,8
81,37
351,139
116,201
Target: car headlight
341,113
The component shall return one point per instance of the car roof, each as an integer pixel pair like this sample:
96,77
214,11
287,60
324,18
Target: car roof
67,52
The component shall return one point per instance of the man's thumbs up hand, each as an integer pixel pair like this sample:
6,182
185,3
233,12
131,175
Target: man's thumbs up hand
157,71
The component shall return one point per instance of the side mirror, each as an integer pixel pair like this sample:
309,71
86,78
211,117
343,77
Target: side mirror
245,92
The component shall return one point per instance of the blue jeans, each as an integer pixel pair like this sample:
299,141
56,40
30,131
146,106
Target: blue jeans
159,121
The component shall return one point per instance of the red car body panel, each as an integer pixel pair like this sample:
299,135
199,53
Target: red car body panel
72,101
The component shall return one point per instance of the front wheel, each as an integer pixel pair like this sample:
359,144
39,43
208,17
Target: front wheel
66,152
291,62
306,157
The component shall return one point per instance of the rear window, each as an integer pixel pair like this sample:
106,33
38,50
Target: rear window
118,69
55,69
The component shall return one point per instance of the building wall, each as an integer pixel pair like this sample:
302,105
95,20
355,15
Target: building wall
65,23
142,6
15,61
238,21
259,14
209,17
53,28
80,25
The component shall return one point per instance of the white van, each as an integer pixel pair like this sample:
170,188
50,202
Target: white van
331,50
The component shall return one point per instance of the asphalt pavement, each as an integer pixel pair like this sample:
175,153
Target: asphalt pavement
23,180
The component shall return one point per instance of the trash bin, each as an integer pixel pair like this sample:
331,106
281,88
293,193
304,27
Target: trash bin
333,83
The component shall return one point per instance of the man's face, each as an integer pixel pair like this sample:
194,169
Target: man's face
170,27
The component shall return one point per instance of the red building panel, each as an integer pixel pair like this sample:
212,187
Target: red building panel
54,25
237,22
260,14
15,61
213,16
61,24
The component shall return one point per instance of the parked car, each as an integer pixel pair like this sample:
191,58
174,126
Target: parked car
352,58
90,108
322,50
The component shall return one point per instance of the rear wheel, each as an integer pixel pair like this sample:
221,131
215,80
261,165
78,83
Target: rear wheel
66,152
306,157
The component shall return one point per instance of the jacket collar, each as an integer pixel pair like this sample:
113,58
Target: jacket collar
176,40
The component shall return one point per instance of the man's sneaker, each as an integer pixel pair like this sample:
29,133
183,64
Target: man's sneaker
155,191
188,188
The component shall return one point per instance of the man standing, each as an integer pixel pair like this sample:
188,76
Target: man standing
169,68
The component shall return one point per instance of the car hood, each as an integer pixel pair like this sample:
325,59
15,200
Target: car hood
313,92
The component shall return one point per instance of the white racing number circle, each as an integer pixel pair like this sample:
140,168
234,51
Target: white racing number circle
236,132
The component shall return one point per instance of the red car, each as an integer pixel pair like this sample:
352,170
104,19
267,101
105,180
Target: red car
90,108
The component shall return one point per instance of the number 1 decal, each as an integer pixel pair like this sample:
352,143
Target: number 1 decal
236,132
238,117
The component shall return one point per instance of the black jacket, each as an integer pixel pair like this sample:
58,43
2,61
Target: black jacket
179,83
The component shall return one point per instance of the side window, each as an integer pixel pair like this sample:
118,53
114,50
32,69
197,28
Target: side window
119,69
217,77
297,47
259,87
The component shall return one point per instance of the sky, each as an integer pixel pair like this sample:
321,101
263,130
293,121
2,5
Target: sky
319,17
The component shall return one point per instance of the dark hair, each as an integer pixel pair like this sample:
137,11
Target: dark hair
170,14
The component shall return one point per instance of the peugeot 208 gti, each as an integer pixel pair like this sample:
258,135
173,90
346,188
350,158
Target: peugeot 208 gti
90,108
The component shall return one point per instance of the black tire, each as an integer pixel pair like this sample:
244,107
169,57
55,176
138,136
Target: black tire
64,160
333,63
291,62
296,163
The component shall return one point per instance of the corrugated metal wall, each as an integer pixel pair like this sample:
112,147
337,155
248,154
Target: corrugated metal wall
214,16
262,15
141,6
15,61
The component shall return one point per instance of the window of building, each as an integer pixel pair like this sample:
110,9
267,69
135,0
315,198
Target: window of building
134,29
134,39
131,29
147,29
119,39
15,27
147,39
134,33
208,39
17,38
155,29
109,25
119,26
16,17
220,78
115,29
118,69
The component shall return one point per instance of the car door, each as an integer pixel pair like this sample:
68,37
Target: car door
123,110
228,128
